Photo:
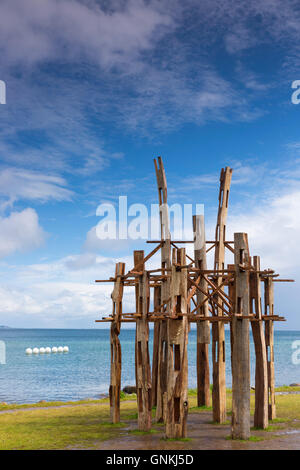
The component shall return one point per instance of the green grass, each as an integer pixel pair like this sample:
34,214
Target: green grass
226,423
84,424
251,439
143,433
287,388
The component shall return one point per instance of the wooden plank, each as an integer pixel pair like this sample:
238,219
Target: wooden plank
240,424
261,369
203,327
177,337
218,331
115,346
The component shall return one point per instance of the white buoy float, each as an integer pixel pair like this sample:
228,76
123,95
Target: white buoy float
47,350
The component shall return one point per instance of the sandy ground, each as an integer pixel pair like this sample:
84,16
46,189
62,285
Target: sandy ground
203,435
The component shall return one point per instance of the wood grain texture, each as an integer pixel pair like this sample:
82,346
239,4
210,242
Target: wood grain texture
269,335
177,339
203,327
162,356
261,369
143,370
240,424
218,331
115,346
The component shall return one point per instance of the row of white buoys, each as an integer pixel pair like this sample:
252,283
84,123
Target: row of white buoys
47,350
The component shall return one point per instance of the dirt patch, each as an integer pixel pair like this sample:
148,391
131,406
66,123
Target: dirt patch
202,434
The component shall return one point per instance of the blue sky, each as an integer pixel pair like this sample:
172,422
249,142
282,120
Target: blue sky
95,91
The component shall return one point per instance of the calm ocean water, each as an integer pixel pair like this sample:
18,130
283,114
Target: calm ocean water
84,371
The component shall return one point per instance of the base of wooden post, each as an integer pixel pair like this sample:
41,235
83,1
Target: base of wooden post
203,391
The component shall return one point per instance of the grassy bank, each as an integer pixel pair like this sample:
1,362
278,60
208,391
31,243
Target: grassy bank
57,425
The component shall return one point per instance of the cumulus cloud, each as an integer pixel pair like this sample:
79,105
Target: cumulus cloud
20,232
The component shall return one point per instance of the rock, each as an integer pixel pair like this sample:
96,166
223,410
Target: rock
42,401
294,385
129,389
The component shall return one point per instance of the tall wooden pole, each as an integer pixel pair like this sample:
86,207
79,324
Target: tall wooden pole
269,334
241,344
203,328
161,331
231,294
177,379
143,371
115,345
261,369
218,330
156,336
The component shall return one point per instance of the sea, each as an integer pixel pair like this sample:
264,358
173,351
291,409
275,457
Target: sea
84,371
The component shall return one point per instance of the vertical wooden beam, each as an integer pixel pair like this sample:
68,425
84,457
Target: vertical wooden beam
231,294
241,347
261,369
161,331
156,335
143,371
218,329
269,334
177,379
203,328
115,345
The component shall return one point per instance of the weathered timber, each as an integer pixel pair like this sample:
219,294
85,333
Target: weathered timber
162,356
143,371
177,337
220,296
269,335
218,331
261,369
231,293
156,335
240,425
115,346
203,327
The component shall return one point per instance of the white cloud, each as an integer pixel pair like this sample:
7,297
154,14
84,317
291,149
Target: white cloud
33,31
273,228
24,184
20,232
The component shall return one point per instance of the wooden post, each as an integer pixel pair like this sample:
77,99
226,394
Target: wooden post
231,294
261,369
218,330
156,335
241,347
143,371
115,346
161,331
269,334
177,380
203,328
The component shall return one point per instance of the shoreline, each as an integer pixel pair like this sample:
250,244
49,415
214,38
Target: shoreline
104,398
